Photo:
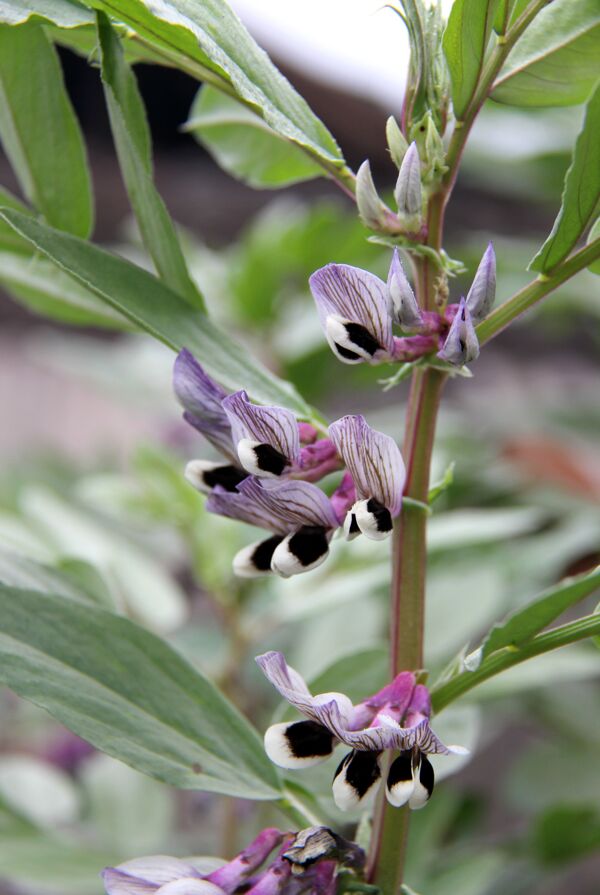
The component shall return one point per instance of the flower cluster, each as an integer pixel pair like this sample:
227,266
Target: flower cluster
396,718
357,311
268,473
305,863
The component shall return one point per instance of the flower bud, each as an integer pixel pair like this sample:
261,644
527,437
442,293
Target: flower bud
373,212
396,141
435,154
405,307
461,345
482,293
408,193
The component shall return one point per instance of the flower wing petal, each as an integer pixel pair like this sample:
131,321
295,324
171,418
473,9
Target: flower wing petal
373,460
290,503
242,506
287,681
421,736
201,398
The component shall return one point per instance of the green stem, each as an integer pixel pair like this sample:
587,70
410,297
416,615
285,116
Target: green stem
588,626
536,290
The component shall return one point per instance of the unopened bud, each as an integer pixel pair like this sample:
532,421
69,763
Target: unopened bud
405,307
483,288
373,212
435,154
408,193
396,141
461,345
320,843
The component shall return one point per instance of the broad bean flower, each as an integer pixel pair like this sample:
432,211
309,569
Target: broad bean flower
305,863
396,718
357,311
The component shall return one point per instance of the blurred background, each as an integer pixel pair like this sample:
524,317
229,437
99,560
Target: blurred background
92,449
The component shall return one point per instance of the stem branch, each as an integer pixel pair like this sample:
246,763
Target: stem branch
588,626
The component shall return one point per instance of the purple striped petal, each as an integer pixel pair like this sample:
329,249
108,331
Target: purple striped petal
482,293
189,887
201,398
274,426
244,508
420,736
349,295
373,460
292,687
290,504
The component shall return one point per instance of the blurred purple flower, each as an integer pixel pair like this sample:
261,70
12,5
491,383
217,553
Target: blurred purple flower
397,717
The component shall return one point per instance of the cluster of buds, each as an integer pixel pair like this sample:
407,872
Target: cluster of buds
275,863
396,719
358,311
269,468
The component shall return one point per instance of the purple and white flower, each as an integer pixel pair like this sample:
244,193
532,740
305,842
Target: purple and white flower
300,516
305,863
377,469
354,310
396,718
268,441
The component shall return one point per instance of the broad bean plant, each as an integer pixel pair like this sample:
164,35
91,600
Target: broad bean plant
273,462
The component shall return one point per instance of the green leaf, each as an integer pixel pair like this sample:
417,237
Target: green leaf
149,304
244,145
523,624
566,832
8,238
133,144
130,694
580,195
555,62
594,234
40,132
36,862
42,287
465,42
208,40
19,571
61,12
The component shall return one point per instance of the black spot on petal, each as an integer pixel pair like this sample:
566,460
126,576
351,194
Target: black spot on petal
308,544
362,338
354,529
263,554
426,774
307,739
269,459
400,770
343,352
381,514
227,476
361,770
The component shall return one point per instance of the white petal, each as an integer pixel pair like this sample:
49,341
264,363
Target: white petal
246,451
280,747
194,473
351,529
248,562
294,555
337,335
368,522
346,793
189,887
400,784
424,780
157,869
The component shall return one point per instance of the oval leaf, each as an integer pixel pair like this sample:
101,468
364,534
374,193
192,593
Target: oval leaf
40,132
61,12
465,42
130,694
244,145
148,303
555,63
580,195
